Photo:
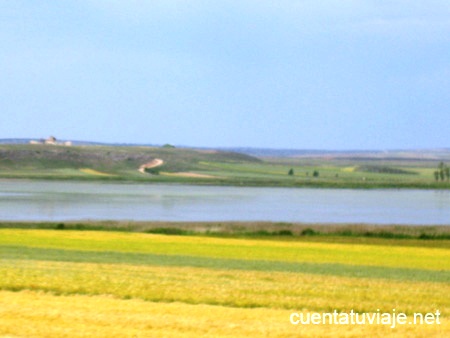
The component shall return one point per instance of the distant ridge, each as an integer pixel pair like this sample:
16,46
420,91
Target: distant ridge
79,143
411,154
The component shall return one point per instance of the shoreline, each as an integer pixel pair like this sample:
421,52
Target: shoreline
259,230
200,180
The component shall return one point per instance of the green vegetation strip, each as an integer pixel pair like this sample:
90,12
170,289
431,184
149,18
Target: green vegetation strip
112,257
243,249
392,235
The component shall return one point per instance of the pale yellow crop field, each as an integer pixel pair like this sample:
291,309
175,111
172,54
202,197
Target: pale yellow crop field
233,288
106,284
90,171
229,248
38,314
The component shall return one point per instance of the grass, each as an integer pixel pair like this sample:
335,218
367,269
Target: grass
345,233
239,288
94,172
242,249
334,269
104,316
95,283
212,168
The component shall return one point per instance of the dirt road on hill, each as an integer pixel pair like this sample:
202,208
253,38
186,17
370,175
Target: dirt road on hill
152,164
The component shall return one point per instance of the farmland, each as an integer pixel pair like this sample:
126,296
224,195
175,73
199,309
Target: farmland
216,279
190,166
70,283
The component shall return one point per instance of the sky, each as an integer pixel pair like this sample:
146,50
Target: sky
304,74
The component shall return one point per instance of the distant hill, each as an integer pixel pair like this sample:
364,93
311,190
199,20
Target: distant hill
114,159
405,154
58,160
80,143
422,154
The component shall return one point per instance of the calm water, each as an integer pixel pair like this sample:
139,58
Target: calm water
57,201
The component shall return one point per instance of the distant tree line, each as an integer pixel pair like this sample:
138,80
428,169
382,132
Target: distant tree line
315,173
442,173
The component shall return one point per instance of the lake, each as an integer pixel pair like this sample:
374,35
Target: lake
22,200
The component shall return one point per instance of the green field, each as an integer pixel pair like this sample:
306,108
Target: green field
66,283
114,163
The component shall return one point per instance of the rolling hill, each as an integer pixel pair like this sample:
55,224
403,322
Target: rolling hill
18,160
399,169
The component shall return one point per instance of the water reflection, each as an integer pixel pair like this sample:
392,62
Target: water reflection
40,201
442,198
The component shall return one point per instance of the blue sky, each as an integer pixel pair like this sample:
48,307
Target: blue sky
337,74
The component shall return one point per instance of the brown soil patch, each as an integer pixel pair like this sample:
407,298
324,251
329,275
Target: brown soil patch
152,164
189,174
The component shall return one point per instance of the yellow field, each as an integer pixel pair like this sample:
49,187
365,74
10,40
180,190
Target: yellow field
90,171
105,284
348,169
37,314
191,285
386,255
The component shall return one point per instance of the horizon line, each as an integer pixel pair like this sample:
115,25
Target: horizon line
22,140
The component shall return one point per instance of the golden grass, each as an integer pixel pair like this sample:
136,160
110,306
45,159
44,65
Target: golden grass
235,288
341,253
80,299
188,174
90,171
36,314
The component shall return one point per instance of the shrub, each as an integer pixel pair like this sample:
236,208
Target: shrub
153,171
308,232
284,232
167,231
